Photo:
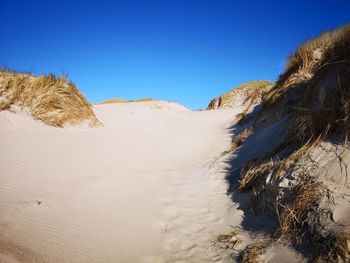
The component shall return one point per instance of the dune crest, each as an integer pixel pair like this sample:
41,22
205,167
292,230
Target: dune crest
52,100
248,94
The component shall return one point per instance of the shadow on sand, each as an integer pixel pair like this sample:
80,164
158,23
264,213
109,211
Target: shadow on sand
259,144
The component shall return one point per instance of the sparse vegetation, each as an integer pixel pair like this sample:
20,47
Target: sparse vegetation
231,238
237,141
252,253
322,58
251,93
313,95
118,100
50,99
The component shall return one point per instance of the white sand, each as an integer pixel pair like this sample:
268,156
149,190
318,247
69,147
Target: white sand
278,254
147,187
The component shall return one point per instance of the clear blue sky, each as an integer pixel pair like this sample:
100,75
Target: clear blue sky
187,51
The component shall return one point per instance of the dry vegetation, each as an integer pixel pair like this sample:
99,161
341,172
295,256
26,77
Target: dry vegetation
118,100
323,90
304,218
239,140
252,92
312,58
50,99
231,238
252,253
314,96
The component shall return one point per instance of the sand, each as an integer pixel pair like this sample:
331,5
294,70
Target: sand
149,186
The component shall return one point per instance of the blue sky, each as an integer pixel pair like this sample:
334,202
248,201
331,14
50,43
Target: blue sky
187,51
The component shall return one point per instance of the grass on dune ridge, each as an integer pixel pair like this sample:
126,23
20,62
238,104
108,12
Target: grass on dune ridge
119,100
252,91
313,94
248,87
50,99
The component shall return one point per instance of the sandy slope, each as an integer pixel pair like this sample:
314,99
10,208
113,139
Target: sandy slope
147,187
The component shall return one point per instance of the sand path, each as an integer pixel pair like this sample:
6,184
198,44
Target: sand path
147,187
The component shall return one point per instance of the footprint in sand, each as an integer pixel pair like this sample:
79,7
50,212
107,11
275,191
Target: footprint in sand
210,217
167,202
174,245
171,214
171,245
186,245
153,259
8,259
203,211
197,228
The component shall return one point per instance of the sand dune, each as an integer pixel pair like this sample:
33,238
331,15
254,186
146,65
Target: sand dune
264,181
147,187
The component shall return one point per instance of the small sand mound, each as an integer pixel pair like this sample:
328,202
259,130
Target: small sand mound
52,100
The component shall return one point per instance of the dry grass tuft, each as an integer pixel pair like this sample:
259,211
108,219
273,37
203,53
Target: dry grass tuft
294,218
237,141
304,221
310,53
333,248
341,248
231,238
53,100
330,48
255,250
254,175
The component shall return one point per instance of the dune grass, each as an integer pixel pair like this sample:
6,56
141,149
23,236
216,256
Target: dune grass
252,253
240,139
320,102
50,99
252,90
119,100
323,58
314,95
